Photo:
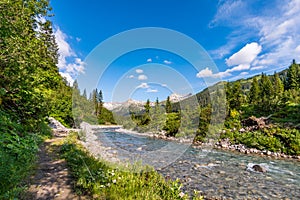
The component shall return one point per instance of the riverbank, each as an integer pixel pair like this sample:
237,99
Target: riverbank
223,144
94,146
104,179
218,174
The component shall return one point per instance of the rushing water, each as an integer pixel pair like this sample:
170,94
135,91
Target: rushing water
216,173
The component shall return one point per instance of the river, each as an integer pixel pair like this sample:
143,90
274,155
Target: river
215,173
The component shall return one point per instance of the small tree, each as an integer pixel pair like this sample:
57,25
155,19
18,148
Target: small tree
168,105
254,92
100,102
293,76
172,124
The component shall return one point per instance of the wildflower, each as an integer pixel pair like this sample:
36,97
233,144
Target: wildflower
181,194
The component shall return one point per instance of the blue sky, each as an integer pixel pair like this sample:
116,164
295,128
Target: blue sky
237,39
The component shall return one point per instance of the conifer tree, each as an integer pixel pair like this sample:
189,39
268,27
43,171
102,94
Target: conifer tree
168,105
254,92
278,85
293,76
266,92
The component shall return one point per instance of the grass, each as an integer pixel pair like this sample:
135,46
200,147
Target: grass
103,180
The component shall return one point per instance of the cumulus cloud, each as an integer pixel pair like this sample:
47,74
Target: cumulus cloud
139,71
245,55
143,86
149,60
142,77
276,27
167,62
69,64
205,73
208,73
149,90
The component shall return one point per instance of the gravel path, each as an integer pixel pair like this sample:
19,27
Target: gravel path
52,179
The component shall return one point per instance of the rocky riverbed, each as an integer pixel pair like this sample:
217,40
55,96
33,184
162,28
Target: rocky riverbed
217,174
224,144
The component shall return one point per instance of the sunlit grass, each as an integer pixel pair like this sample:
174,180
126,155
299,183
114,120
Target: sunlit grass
104,180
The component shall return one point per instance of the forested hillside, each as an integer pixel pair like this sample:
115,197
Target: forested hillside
226,105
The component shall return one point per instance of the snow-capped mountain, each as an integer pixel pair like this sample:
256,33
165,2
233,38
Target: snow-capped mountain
177,97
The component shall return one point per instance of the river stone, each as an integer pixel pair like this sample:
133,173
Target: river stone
259,168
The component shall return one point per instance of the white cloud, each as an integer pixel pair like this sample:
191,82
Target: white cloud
149,90
139,71
227,9
240,67
78,39
244,73
74,66
164,85
67,76
143,85
205,73
257,68
167,62
297,49
64,48
131,76
208,73
142,77
276,26
245,55
149,60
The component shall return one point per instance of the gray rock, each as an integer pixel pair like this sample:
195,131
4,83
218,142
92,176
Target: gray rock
259,168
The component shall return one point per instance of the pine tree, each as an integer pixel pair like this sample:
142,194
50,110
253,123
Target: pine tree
278,85
234,95
168,105
147,107
84,94
254,92
266,92
100,102
293,76
95,101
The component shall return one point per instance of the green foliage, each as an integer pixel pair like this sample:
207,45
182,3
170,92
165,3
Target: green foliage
17,154
168,105
90,110
254,92
172,124
234,95
204,122
293,76
275,139
233,120
107,181
106,117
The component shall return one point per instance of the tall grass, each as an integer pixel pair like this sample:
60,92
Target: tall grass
110,181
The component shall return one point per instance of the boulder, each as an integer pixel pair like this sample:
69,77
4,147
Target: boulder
259,168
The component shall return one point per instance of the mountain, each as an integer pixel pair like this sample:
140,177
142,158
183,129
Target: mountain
177,97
